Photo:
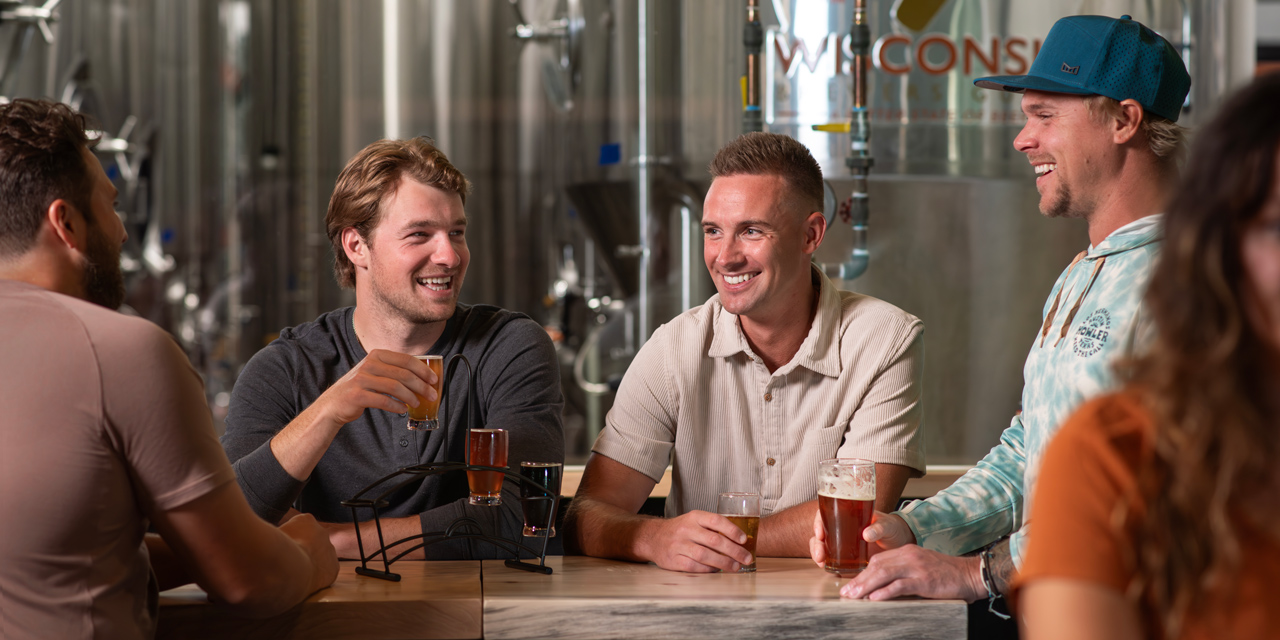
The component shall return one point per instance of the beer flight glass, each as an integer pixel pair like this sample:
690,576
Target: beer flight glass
487,448
536,504
424,417
743,510
846,500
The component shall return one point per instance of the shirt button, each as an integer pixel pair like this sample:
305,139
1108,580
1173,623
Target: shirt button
771,462
404,442
768,397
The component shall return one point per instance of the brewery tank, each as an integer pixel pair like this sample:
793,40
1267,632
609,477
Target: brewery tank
244,111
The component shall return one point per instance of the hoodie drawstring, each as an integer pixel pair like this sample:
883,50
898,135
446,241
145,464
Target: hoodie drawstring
1053,311
1072,316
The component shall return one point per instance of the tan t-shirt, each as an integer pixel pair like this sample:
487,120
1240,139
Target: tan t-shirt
697,396
103,422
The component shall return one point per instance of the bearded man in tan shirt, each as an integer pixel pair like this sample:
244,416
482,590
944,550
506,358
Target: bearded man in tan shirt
105,427
748,392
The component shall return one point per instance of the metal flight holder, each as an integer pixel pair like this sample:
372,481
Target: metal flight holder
462,528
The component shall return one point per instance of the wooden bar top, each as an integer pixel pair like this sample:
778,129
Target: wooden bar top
785,598
432,600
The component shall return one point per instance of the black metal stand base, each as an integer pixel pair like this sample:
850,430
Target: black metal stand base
531,568
460,529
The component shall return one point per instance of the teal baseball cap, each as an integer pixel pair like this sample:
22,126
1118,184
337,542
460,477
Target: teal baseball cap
1097,55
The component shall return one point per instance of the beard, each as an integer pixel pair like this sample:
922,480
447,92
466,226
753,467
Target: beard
103,279
1066,205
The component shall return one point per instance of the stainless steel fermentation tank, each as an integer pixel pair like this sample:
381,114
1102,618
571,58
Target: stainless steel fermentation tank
228,121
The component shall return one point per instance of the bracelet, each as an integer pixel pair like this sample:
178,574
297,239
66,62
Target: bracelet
989,583
984,567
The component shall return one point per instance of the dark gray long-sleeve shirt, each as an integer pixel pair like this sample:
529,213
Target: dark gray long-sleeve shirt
517,382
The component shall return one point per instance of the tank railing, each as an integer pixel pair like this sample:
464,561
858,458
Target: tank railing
644,188
566,30
589,345
859,160
29,19
690,209
37,16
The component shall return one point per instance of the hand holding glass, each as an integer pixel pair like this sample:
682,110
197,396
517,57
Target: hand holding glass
488,448
424,416
743,510
846,500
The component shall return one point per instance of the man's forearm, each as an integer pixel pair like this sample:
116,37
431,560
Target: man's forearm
786,534
165,563
300,445
599,529
343,536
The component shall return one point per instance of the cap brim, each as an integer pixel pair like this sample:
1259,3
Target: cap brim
1018,84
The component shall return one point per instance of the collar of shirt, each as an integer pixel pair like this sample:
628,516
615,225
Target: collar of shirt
1131,236
820,351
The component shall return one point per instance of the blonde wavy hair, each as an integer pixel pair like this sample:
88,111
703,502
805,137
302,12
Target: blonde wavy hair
1166,138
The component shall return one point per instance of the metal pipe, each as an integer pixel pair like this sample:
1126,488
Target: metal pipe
752,40
686,257
391,68
644,187
859,160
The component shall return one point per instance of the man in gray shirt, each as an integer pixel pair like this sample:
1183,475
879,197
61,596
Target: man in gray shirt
317,415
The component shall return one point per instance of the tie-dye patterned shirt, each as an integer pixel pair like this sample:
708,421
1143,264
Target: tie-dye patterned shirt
1092,314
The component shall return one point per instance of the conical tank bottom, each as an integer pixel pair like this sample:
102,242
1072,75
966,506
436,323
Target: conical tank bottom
608,211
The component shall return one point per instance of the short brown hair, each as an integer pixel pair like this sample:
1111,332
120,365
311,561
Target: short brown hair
773,154
40,162
367,180
1166,138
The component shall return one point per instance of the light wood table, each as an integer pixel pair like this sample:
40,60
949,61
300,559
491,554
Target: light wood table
432,600
785,598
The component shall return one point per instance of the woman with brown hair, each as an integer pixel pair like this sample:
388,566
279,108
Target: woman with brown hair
1155,514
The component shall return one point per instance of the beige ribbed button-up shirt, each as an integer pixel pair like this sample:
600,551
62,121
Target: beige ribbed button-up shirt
697,397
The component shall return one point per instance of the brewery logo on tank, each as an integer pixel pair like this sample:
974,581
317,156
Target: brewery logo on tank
1092,334
925,55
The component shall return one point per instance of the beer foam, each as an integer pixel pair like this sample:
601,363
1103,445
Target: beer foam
847,484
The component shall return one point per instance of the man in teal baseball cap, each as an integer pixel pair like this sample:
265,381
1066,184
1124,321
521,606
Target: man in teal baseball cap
1101,100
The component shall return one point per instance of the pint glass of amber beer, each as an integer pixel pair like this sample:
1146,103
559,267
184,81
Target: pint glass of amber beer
488,448
846,500
743,510
424,416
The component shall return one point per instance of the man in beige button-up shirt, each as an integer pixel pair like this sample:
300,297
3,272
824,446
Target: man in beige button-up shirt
751,390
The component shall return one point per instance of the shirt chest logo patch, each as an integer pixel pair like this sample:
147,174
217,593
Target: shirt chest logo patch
1091,335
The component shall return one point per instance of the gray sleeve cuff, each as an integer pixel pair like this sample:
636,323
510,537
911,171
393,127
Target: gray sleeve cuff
270,490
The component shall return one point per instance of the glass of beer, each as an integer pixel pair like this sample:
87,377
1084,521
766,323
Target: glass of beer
488,448
424,416
539,519
846,500
743,510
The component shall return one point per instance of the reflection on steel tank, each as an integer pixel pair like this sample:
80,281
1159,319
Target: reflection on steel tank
586,127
